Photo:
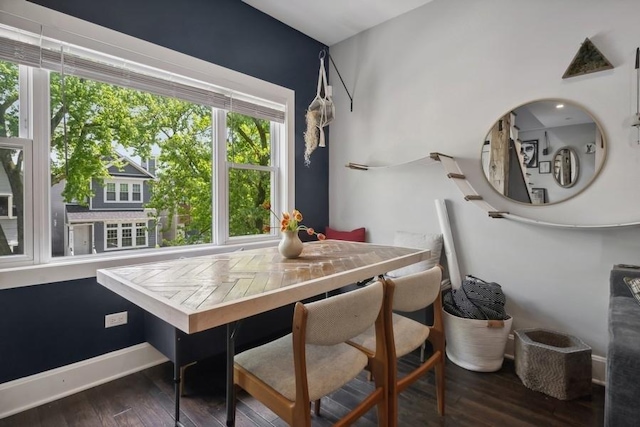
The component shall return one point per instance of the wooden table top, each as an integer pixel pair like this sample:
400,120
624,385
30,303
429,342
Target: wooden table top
195,294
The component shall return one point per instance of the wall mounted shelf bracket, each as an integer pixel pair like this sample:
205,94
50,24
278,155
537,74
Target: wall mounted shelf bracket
471,195
324,52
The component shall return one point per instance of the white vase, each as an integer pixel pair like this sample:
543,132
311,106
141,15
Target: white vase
290,246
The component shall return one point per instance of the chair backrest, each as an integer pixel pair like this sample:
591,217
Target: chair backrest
418,290
339,318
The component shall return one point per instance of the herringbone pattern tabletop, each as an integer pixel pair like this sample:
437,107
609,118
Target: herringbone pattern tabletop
196,285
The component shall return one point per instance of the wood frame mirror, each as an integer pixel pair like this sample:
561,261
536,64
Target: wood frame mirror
518,153
566,167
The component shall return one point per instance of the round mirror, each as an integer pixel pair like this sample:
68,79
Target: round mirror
543,152
565,167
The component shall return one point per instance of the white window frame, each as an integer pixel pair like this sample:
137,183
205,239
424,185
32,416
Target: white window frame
9,214
123,189
108,227
36,19
28,206
134,228
118,182
222,180
107,190
140,192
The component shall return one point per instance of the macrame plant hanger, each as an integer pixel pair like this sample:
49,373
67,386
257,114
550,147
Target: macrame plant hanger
321,111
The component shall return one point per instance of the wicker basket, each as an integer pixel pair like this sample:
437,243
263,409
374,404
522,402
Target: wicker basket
476,345
555,364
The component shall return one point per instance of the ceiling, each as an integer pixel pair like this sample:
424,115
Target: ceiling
545,114
331,21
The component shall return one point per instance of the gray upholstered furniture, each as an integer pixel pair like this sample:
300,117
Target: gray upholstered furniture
623,355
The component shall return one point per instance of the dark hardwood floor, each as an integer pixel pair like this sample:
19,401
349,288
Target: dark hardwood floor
472,399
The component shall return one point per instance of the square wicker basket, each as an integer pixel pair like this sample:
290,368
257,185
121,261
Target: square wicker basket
555,364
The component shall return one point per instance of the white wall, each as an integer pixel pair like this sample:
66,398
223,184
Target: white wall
436,79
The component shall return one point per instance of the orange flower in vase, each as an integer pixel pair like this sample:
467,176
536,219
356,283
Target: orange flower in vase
290,224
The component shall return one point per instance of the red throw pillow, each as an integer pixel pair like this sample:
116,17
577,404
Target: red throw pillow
356,235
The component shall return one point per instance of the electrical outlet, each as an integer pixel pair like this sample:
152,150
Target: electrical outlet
115,319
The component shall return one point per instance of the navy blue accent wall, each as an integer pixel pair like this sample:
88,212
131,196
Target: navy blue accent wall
47,326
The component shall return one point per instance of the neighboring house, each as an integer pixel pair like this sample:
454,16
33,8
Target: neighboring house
8,216
115,218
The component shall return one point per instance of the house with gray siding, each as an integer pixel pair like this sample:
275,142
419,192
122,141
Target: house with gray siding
115,218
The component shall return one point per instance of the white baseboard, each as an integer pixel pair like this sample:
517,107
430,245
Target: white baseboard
598,363
35,390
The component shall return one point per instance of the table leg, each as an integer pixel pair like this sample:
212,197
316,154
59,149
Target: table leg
232,331
183,370
176,385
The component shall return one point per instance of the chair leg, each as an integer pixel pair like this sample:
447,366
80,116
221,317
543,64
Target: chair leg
316,407
438,342
422,348
386,411
439,368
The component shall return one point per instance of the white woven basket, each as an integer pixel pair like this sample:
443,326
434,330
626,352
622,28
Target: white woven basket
476,345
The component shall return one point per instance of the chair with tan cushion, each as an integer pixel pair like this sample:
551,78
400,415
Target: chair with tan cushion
410,293
315,360
435,244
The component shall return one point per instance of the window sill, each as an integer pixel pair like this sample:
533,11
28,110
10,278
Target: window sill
82,267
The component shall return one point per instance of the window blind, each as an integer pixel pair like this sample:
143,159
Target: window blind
104,71
20,52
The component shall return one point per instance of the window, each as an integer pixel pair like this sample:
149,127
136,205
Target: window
250,173
127,191
126,241
180,134
136,192
110,191
16,229
141,234
112,236
6,202
121,235
124,192
173,132
8,209
14,226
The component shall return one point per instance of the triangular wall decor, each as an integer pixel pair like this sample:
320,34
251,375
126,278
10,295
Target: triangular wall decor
588,60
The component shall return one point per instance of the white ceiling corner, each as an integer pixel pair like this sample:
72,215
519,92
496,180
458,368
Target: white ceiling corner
331,21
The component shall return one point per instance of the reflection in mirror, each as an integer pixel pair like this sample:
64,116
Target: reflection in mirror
11,201
543,145
565,167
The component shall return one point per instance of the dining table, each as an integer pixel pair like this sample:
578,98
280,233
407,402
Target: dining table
193,295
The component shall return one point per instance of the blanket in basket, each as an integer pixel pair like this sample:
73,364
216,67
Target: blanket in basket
476,299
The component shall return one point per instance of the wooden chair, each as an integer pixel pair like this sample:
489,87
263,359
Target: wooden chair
411,293
315,360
